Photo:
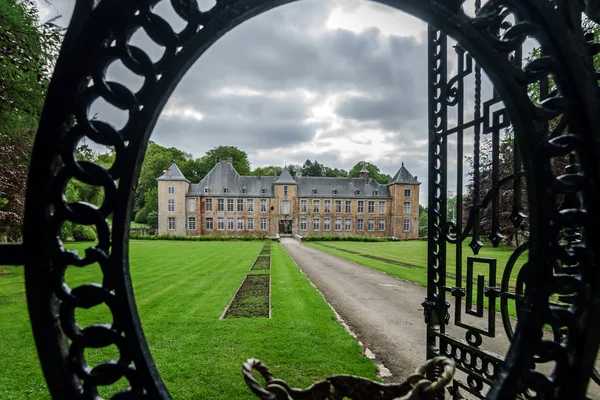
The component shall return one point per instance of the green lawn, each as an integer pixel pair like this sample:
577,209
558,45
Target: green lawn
182,289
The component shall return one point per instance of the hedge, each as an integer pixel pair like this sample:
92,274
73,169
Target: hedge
83,233
207,238
345,239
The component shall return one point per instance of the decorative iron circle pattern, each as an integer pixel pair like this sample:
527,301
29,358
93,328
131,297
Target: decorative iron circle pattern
100,34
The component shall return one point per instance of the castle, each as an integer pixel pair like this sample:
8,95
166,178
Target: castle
226,203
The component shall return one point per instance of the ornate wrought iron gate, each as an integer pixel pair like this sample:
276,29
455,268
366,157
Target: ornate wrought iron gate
558,286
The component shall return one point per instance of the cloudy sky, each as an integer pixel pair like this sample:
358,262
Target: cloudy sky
338,81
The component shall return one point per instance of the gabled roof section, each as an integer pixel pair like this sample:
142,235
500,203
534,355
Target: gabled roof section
346,187
404,177
173,173
223,175
285,178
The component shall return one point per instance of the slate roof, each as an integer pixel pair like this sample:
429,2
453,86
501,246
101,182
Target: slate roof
404,177
285,178
175,174
346,187
224,175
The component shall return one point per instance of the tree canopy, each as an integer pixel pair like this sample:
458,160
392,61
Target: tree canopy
374,172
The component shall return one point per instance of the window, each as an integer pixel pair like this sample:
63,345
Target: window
229,204
285,191
407,207
371,225
361,206
316,224
327,206
171,205
220,224
303,224
250,205
263,205
244,190
263,191
191,204
338,225
240,224
206,190
225,190
375,192
348,225
382,207
192,223
407,193
406,225
303,206
314,191
220,205
326,224
250,225
171,189
338,206
263,224
316,206
209,224
240,205
360,225
371,205
348,206
357,192
208,205
230,223
334,192
171,225
285,207
382,225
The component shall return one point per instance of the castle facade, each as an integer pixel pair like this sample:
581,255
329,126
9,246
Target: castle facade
226,203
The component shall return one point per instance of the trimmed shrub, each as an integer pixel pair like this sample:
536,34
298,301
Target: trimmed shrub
82,233
142,216
208,238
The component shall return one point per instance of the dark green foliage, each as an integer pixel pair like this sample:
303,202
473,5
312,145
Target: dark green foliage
152,220
83,233
141,217
263,262
345,239
267,171
373,172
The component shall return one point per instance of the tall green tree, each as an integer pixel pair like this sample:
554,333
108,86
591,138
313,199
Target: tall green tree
310,168
240,160
269,170
374,172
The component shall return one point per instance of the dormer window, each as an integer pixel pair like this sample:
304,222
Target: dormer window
375,192
334,192
314,191
244,191
225,190
357,192
206,190
263,191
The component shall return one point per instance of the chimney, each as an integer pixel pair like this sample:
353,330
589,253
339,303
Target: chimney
295,176
364,173
416,178
217,160
169,171
230,160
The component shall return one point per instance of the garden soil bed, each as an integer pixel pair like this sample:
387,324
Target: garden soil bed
262,263
252,299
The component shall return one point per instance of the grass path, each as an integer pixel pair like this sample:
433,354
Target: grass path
182,289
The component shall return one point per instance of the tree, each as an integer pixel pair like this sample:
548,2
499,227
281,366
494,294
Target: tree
335,172
374,172
267,171
423,227
240,160
310,168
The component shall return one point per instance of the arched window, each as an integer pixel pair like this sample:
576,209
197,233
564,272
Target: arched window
244,191
334,192
263,191
375,192
357,192
314,191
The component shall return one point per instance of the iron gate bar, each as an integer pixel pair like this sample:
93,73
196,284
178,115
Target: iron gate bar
99,34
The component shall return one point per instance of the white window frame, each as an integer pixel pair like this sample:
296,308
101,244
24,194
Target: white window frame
240,205
327,206
209,223
208,205
244,190
406,225
348,225
337,225
407,208
250,224
220,224
171,205
371,206
334,192
230,223
360,208
304,206
192,204
375,193
250,205
220,205
371,225
171,189
337,206
314,191
348,206
357,192
360,225
316,224
230,206
303,225
382,207
192,223
263,224
263,191
225,190
407,192
316,206
263,205
381,225
285,207
240,224
171,223
285,191
206,189
326,224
